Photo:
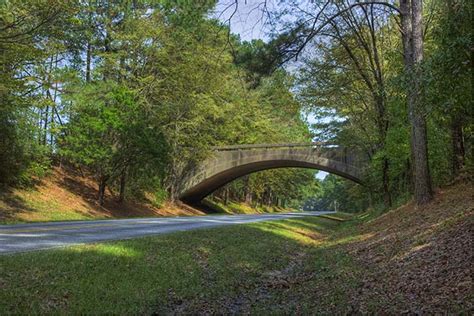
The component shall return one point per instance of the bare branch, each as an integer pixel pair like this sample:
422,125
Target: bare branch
315,31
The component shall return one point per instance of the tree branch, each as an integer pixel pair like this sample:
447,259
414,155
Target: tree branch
315,31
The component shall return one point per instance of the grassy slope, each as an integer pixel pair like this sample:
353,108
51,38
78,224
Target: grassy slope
404,261
68,195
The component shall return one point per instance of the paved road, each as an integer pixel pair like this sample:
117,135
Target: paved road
28,237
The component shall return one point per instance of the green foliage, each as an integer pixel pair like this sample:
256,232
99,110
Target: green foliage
160,196
338,91
258,58
139,92
449,87
29,28
101,126
337,194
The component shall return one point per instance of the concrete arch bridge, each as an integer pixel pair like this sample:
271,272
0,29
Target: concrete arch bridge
231,162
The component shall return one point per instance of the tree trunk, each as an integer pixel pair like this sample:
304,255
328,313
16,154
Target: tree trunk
88,61
248,193
226,195
172,192
371,199
423,191
409,176
102,186
412,37
45,126
386,186
268,201
458,151
123,182
89,45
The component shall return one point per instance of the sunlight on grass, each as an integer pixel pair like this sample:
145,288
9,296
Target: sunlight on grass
310,225
180,270
117,250
50,214
34,206
410,252
450,221
290,231
362,216
242,208
333,218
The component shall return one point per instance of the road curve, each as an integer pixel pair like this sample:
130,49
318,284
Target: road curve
36,236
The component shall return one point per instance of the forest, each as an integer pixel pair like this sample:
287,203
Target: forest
132,91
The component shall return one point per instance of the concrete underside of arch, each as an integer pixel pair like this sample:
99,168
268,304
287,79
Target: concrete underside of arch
225,167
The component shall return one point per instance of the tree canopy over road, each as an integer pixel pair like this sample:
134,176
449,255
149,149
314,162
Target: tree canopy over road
132,91
117,109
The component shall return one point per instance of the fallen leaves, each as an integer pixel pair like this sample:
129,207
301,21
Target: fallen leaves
424,262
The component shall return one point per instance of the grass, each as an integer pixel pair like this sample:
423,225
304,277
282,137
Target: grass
242,208
65,194
36,208
410,260
236,269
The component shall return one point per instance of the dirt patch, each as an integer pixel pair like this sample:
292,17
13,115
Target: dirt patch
245,294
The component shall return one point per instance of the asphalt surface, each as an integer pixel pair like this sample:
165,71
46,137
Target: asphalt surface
29,237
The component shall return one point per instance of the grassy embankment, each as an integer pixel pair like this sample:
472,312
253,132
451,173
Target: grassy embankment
69,195
405,261
241,208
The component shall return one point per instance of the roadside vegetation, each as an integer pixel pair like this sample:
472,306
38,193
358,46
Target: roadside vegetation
232,207
409,260
106,106
135,94
65,194
68,194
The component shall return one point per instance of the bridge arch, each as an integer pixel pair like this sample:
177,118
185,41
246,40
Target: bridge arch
232,162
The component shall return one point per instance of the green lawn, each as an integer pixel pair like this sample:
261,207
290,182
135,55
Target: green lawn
281,266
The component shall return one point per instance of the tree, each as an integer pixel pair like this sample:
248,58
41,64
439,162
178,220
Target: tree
28,31
410,13
449,72
103,132
349,75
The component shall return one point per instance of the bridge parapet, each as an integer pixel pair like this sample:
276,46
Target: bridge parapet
268,146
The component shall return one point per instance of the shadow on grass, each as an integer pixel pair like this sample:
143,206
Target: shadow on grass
111,207
12,206
65,195
228,270
295,266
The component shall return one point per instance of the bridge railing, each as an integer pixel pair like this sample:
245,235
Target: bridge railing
344,154
260,146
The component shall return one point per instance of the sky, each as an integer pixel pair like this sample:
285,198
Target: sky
247,19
